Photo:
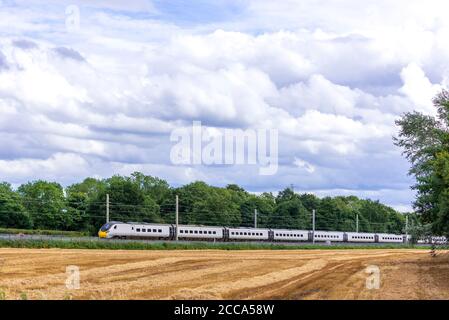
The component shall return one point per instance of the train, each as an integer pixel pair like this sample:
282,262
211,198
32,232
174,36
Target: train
148,231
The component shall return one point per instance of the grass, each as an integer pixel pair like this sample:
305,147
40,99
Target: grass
136,245
44,232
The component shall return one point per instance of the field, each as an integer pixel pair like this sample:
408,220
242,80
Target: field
218,274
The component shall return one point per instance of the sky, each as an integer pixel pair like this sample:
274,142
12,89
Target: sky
95,88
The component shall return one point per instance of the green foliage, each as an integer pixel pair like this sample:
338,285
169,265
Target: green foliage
12,212
290,214
44,232
45,202
425,143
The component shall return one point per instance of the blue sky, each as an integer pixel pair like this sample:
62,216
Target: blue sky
100,95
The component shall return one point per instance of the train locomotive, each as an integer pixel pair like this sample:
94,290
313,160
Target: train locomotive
147,231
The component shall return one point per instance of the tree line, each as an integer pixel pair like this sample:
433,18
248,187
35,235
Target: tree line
142,198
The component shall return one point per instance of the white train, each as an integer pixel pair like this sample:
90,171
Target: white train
131,230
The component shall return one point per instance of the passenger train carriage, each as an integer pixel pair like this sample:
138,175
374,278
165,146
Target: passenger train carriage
290,235
199,232
134,230
247,234
360,237
329,236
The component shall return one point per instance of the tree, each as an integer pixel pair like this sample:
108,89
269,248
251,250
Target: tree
157,189
79,198
46,204
264,206
286,195
290,214
12,213
440,192
424,140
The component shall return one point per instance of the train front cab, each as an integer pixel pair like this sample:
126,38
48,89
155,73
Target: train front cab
105,230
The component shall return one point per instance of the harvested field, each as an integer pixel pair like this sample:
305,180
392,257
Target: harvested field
208,274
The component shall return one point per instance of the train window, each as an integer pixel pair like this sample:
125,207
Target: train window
160,230
154,230
201,232
138,230
191,231
181,231
145,230
115,227
196,231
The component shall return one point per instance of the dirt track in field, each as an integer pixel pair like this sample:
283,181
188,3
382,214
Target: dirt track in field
299,274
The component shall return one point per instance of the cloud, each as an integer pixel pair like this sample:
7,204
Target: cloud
69,53
59,167
304,164
418,88
3,62
104,99
24,44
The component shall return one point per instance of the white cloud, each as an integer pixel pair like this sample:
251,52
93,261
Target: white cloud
304,164
331,79
418,88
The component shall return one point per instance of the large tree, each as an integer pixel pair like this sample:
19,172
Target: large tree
45,202
425,141
12,213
